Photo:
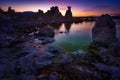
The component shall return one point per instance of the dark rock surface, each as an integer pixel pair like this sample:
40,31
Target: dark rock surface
104,31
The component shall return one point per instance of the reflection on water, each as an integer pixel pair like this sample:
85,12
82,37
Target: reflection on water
71,36
67,26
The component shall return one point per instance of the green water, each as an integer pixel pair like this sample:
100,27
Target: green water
72,43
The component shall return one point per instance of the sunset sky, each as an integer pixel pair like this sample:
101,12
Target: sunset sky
79,7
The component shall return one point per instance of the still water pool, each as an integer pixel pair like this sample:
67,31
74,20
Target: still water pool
71,36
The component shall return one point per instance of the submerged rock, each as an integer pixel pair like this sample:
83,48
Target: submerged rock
104,31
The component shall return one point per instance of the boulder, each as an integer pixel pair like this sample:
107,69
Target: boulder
46,32
104,31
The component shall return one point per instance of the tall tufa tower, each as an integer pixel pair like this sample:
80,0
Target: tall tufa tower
68,13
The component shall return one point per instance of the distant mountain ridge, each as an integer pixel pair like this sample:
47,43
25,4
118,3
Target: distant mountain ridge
26,13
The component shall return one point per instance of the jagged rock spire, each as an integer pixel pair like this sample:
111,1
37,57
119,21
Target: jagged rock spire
68,13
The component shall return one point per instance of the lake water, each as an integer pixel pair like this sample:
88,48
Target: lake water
71,37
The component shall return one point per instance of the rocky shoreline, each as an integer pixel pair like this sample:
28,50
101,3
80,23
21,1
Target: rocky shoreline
24,55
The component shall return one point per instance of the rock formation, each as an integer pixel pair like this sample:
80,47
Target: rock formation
1,10
40,13
53,13
10,10
68,13
104,31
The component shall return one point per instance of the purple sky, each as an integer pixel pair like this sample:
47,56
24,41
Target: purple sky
79,7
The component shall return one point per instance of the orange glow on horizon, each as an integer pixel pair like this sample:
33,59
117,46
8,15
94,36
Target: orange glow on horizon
85,14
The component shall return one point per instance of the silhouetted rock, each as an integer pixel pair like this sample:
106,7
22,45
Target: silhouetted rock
1,10
11,12
104,31
68,13
57,13
40,12
53,14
